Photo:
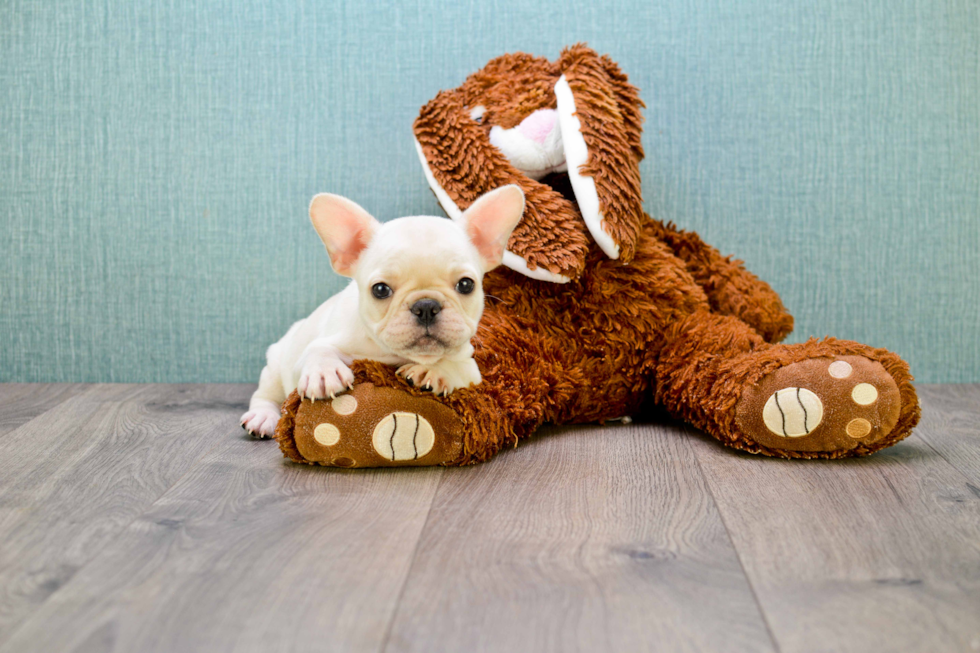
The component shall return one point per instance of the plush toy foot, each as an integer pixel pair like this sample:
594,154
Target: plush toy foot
835,404
370,426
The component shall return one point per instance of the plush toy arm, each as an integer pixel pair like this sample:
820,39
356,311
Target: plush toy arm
461,165
731,289
600,121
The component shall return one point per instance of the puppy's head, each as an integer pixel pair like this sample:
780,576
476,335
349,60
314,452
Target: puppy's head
419,278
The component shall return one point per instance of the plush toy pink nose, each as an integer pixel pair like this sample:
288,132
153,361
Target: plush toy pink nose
539,124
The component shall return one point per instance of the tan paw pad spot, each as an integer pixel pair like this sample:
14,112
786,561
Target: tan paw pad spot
326,434
344,405
864,394
403,436
840,369
792,412
858,428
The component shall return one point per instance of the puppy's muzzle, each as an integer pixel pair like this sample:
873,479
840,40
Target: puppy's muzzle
425,311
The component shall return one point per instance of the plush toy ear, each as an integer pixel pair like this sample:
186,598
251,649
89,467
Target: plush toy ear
598,111
460,164
490,220
345,229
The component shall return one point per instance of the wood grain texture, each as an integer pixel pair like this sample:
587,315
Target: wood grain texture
247,552
872,554
139,518
951,425
77,475
584,539
22,402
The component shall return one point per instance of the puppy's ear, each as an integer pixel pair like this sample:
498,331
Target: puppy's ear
345,229
490,220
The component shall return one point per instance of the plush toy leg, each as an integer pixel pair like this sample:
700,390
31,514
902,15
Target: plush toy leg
729,287
527,379
384,422
819,399
370,426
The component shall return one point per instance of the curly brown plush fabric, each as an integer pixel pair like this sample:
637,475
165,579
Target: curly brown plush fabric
551,234
671,321
731,289
611,126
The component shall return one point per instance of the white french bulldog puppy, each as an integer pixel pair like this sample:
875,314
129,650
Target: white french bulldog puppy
415,301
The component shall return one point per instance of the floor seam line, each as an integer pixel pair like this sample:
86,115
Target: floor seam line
411,566
738,554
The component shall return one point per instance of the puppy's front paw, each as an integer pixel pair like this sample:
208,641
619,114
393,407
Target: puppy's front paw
324,378
261,421
426,377
441,378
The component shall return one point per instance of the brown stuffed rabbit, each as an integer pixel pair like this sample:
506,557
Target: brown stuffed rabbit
597,307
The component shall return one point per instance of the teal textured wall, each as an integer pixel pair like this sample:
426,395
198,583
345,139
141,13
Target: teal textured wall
156,161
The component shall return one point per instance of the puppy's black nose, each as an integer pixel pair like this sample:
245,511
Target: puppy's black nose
425,311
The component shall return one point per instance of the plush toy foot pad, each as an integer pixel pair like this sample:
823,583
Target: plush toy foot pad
372,427
820,405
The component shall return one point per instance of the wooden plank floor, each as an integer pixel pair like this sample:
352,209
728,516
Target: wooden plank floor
139,518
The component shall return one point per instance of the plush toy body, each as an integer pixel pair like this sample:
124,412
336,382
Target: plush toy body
602,308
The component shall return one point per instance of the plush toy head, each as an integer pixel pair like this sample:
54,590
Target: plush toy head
528,121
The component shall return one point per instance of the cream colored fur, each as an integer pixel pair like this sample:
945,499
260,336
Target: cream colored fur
418,258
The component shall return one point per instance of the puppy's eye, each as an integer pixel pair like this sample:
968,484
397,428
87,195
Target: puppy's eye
381,291
465,286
